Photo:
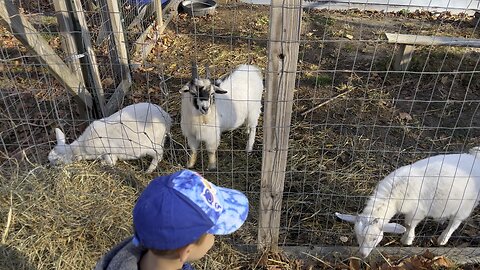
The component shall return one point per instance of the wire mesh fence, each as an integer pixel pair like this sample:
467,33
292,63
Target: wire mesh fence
359,119
356,116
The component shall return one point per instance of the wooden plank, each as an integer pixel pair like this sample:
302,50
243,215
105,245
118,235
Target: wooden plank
460,255
455,7
91,58
464,255
143,12
116,99
69,44
19,26
431,40
158,13
285,18
65,26
121,50
143,47
105,34
403,56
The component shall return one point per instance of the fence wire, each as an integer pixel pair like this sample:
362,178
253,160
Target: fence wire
355,118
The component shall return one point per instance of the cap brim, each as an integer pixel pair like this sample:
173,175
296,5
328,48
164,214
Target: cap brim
234,213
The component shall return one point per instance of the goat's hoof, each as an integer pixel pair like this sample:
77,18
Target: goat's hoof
212,167
406,241
149,170
441,241
190,165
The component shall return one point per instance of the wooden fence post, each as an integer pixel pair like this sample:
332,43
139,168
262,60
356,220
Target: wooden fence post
25,32
285,18
91,58
158,13
66,29
122,53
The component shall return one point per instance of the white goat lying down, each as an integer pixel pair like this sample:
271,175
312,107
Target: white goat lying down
440,187
135,131
209,108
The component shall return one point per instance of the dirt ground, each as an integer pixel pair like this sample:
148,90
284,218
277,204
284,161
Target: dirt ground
369,119
387,118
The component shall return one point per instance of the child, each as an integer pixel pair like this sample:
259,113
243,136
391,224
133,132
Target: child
175,220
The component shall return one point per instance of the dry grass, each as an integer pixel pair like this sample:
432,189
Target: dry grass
67,217
364,126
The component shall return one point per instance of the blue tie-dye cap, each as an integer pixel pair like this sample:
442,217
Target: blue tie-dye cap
175,210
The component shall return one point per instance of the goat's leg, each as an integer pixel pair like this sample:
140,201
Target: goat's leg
452,226
252,129
156,157
109,159
212,146
193,143
212,155
411,222
212,159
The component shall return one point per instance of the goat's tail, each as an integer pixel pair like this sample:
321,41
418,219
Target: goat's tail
475,151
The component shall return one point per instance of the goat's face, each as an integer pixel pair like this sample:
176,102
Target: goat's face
369,234
369,231
203,93
61,153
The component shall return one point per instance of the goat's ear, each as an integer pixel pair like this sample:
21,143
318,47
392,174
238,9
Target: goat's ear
393,228
219,90
347,218
186,88
60,136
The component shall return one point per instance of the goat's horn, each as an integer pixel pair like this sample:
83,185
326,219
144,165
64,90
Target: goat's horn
194,71
207,71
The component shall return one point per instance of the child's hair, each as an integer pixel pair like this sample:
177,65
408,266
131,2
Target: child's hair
172,252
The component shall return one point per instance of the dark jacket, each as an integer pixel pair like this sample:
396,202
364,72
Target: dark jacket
125,256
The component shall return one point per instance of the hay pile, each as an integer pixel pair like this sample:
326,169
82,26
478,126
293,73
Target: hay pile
63,218
67,217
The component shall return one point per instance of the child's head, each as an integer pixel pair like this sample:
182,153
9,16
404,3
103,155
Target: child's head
185,209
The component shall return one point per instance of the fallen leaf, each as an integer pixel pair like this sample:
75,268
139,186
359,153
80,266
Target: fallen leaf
405,116
354,264
444,79
442,262
343,239
429,255
107,82
349,36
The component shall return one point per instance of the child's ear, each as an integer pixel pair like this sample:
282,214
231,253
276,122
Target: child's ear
184,252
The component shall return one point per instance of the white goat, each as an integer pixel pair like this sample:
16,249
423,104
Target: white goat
135,131
441,187
210,108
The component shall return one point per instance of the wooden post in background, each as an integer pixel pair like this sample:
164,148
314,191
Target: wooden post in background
91,58
285,18
26,33
69,45
122,53
158,13
65,26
